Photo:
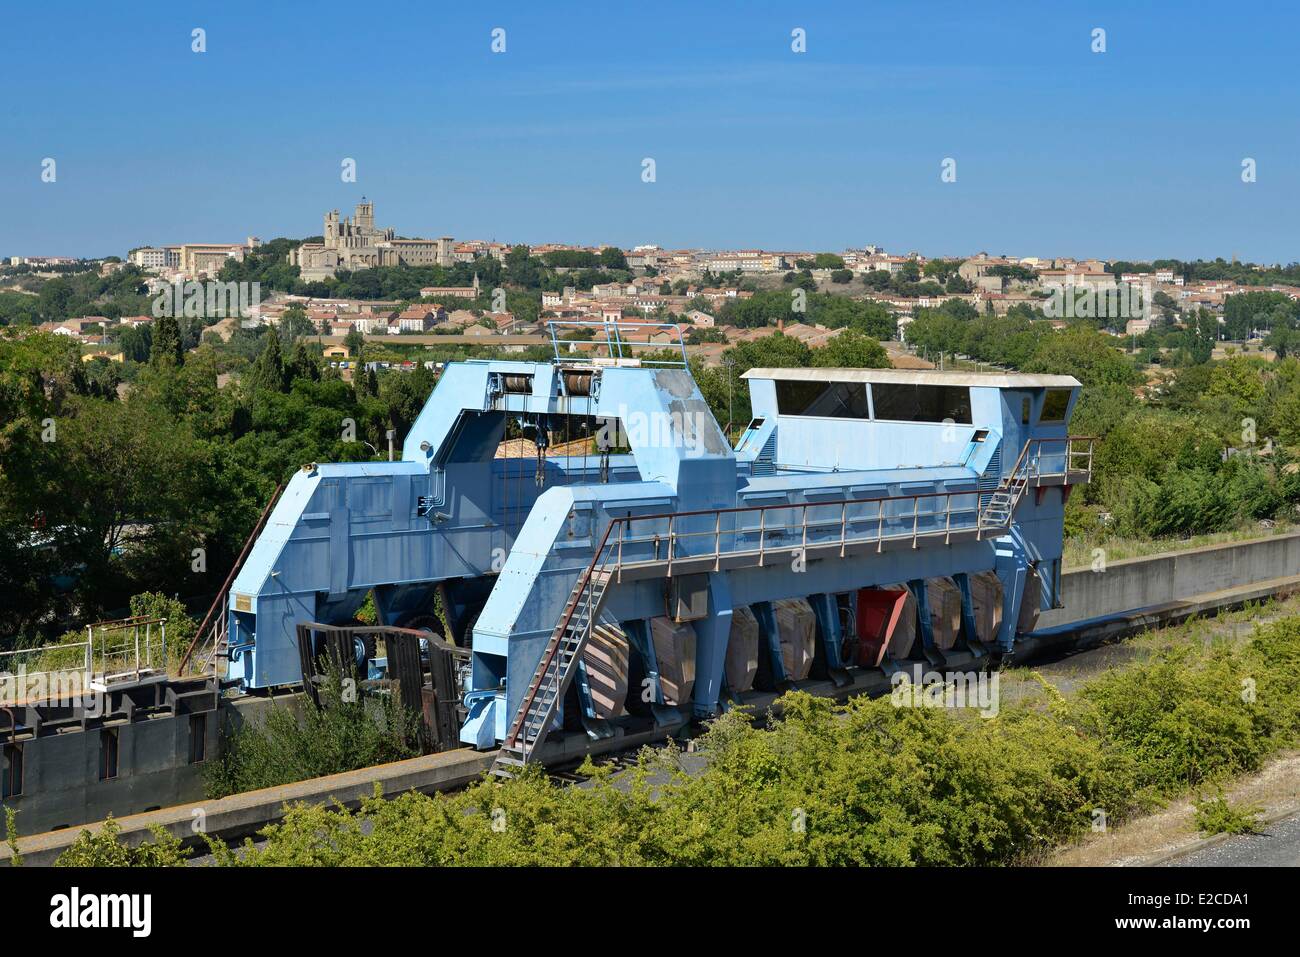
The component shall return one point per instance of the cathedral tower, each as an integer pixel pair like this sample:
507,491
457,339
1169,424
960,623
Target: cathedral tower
365,218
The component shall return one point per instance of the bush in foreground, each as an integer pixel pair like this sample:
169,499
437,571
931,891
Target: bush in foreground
867,783
344,733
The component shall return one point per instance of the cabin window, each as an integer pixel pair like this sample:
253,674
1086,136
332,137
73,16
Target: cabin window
198,738
836,400
1054,405
897,402
108,754
1025,405
11,775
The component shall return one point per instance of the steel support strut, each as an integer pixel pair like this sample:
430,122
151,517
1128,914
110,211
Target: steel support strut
830,638
711,636
969,633
925,624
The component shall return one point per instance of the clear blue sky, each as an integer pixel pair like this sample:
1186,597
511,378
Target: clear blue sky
1133,153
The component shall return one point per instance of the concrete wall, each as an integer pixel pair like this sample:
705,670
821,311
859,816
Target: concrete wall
61,785
240,815
1139,582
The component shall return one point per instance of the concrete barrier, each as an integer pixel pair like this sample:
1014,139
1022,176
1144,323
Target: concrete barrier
1135,583
242,815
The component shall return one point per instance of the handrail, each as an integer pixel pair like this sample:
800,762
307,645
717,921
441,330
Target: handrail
223,595
614,339
1068,452
545,666
1012,485
1022,457
787,505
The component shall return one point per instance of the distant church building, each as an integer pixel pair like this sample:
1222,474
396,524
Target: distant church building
355,243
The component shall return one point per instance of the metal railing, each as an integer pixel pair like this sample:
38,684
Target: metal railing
763,531
115,652
618,339
1065,458
133,656
34,663
772,531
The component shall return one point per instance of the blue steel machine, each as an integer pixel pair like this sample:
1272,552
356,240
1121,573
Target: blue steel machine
844,479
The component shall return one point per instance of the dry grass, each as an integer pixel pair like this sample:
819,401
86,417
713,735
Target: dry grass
1276,789
1078,551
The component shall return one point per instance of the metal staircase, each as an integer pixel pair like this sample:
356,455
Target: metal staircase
1064,461
996,512
554,672
1002,503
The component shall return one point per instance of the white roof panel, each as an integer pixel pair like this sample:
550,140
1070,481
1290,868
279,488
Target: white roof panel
992,380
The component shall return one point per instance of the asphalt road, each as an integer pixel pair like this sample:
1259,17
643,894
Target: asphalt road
1278,846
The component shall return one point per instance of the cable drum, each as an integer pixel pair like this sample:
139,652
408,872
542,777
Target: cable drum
577,383
517,384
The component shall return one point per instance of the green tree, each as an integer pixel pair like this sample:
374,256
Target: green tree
268,372
611,257
294,324
355,342
166,348
1088,355
851,350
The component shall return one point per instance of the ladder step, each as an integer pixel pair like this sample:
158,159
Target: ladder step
533,723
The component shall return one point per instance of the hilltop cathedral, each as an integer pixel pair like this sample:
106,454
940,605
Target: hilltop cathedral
355,243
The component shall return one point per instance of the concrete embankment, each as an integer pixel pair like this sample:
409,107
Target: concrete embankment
1155,580
240,815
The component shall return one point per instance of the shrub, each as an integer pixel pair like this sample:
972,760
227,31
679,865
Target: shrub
1216,816
181,628
869,785
1182,721
865,783
1272,676
11,837
346,732
104,849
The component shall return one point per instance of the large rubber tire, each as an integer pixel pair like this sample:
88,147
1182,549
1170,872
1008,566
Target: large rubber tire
467,640
424,622
369,648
